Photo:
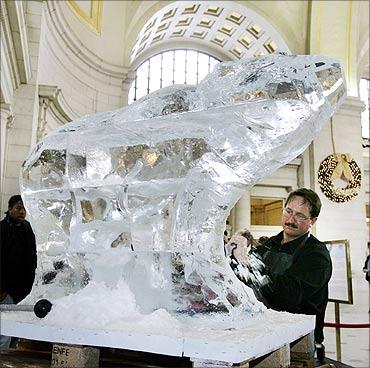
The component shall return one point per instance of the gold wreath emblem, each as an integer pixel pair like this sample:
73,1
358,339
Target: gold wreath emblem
339,166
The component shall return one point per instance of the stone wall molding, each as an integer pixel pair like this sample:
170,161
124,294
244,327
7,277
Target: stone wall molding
7,120
51,101
60,28
353,104
10,78
7,115
18,27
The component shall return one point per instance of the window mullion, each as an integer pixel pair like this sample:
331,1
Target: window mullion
186,65
161,77
135,89
173,66
164,64
148,82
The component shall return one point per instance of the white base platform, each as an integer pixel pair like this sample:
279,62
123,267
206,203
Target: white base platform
213,338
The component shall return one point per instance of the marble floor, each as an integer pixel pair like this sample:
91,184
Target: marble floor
355,342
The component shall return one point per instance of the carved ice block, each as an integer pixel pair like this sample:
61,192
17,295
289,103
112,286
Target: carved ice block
134,201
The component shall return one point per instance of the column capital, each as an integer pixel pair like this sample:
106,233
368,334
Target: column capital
126,84
7,115
352,106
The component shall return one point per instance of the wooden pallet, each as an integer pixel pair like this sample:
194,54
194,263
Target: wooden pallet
32,354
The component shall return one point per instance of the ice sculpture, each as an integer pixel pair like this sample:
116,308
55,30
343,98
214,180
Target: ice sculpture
140,195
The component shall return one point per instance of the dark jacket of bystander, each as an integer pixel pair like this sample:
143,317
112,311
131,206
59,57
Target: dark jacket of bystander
18,258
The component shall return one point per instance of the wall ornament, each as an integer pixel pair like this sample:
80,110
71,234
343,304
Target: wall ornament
339,166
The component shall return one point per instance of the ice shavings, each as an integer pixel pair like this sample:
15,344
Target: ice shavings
100,307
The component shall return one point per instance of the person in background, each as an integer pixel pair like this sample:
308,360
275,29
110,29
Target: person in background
366,269
18,256
294,268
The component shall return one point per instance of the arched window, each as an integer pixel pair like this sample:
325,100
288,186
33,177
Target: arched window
364,95
170,67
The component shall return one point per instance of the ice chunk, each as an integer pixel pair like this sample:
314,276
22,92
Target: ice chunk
139,196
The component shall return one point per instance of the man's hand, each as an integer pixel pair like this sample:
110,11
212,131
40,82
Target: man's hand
240,245
246,264
3,295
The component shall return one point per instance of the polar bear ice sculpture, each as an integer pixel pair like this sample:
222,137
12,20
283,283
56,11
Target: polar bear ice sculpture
142,193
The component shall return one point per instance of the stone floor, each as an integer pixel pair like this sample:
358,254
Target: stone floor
354,341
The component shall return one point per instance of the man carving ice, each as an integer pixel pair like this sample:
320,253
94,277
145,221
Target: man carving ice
296,266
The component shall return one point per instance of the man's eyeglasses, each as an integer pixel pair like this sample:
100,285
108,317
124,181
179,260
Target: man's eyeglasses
298,216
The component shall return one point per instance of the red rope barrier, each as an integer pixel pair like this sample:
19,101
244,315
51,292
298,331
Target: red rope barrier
347,325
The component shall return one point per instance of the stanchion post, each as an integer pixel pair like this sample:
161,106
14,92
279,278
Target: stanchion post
337,332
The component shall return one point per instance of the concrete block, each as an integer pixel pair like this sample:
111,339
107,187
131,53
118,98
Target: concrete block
278,359
22,137
34,7
34,48
11,187
74,356
34,63
13,169
18,152
33,34
34,20
303,348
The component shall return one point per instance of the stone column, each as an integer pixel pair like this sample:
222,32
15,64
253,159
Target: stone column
242,213
22,136
7,119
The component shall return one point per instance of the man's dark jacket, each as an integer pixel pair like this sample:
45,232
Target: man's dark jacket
299,271
18,258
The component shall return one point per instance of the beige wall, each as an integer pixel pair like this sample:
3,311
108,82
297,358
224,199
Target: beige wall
344,220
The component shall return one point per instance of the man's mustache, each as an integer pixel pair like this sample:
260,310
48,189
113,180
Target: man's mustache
290,224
